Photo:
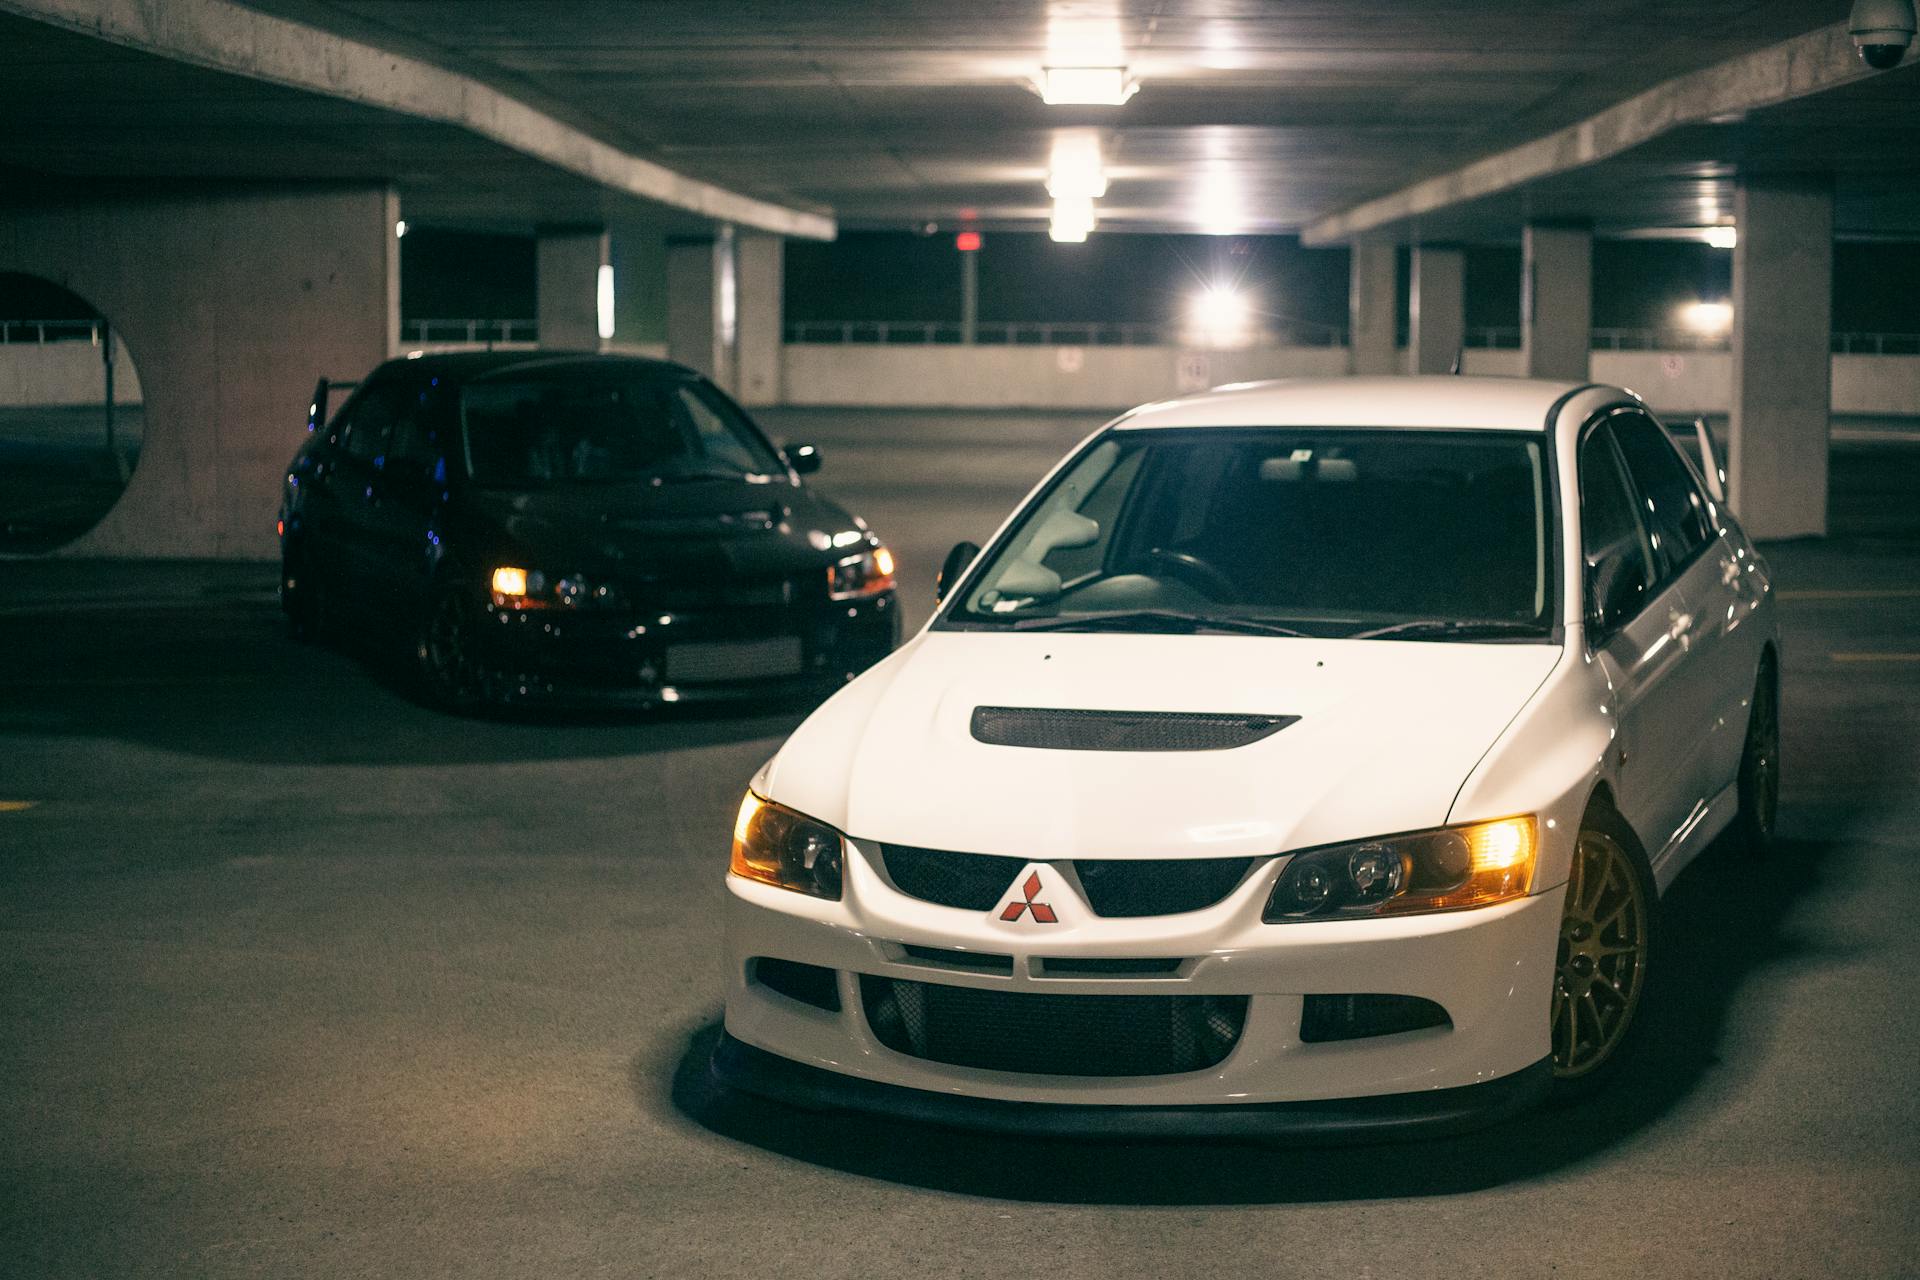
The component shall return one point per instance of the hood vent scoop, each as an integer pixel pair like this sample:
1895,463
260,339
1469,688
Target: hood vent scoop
1059,729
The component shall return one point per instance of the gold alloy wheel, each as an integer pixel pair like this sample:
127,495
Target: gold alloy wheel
1602,959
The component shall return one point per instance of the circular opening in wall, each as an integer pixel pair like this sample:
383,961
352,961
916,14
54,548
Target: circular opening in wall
70,415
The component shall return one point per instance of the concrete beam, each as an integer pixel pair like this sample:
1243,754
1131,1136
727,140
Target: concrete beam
1808,64
231,37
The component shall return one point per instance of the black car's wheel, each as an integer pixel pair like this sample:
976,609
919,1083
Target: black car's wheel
1759,783
1604,955
302,594
453,674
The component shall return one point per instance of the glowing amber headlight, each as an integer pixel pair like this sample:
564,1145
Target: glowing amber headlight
775,845
867,573
1467,866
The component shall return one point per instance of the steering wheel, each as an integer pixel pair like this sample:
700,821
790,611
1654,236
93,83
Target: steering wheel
1196,573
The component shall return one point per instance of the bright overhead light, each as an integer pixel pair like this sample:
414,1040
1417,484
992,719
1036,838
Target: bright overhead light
1086,86
1221,312
1072,220
1707,317
400,229
1722,237
603,300
1074,171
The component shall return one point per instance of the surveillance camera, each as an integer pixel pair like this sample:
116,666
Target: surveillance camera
1882,30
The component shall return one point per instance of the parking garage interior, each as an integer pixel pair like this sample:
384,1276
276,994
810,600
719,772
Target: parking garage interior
300,975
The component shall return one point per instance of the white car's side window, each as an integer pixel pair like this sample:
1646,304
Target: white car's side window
1619,559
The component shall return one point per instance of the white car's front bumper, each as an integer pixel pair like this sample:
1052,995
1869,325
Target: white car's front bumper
1490,969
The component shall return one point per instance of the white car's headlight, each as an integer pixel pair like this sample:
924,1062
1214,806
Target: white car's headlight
776,846
1444,870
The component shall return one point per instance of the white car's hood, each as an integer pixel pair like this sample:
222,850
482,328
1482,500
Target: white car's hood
1388,732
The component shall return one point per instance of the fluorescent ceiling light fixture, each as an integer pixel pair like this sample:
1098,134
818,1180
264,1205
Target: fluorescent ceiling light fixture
1707,317
1086,86
603,300
400,228
1723,237
1072,220
1075,171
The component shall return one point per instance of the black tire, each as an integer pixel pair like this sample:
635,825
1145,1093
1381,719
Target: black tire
447,662
1607,950
302,594
1759,780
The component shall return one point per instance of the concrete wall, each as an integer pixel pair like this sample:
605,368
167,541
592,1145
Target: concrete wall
63,373
1029,377
987,377
232,301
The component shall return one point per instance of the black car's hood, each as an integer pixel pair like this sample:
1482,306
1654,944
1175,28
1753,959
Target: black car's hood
676,530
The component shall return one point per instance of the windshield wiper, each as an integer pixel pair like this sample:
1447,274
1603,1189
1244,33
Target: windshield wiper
1167,621
1452,629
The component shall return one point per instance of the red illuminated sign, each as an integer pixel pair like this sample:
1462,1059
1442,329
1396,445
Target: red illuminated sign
967,241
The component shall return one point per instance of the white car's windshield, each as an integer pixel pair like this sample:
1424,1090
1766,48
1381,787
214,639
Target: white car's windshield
1403,534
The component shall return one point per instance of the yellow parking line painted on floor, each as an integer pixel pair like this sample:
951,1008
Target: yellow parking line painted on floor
1875,657
1867,593
16,806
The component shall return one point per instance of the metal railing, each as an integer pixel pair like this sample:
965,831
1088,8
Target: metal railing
1033,333
1877,344
477,332
41,332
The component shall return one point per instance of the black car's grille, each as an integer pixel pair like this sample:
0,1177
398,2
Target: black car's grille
1114,887
749,593
1159,887
1052,1034
1074,730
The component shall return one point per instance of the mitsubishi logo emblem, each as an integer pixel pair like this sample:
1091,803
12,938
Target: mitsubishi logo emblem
1042,912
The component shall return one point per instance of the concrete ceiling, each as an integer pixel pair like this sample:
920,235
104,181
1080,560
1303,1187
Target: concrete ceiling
1254,115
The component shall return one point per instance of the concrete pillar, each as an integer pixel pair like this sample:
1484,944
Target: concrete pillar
1782,366
762,316
1437,309
1372,309
703,304
1556,302
232,303
567,288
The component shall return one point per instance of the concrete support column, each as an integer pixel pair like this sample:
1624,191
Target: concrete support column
1372,309
1556,302
703,298
762,317
1782,366
232,301
567,288
1437,308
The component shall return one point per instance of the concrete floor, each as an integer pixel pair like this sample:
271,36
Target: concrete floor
299,979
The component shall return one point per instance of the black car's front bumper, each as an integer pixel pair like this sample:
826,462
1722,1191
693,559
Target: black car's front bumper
1391,1116
556,657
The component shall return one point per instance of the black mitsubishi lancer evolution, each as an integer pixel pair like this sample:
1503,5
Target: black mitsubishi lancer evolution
577,529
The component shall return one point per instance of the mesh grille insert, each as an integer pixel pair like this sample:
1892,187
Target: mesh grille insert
1067,730
1052,1034
971,881
1114,888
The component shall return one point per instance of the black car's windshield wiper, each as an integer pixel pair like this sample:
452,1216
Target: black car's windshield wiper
1453,629
1165,621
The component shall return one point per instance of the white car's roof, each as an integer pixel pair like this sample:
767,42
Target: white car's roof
1503,404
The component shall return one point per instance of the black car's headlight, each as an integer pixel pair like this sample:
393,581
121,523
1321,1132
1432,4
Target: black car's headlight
865,572
517,588
1474,865
775,845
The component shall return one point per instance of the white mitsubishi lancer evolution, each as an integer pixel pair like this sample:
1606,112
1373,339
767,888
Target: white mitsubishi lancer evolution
1301,758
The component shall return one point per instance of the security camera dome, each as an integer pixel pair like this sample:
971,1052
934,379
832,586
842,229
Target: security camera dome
1882,30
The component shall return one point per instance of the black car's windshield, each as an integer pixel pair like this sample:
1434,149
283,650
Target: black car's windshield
1389,534
563,426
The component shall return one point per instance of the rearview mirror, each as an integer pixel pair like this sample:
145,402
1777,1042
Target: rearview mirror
955,564
803,458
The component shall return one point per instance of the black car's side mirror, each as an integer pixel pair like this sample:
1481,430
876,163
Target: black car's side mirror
950,570
803,458
317,407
